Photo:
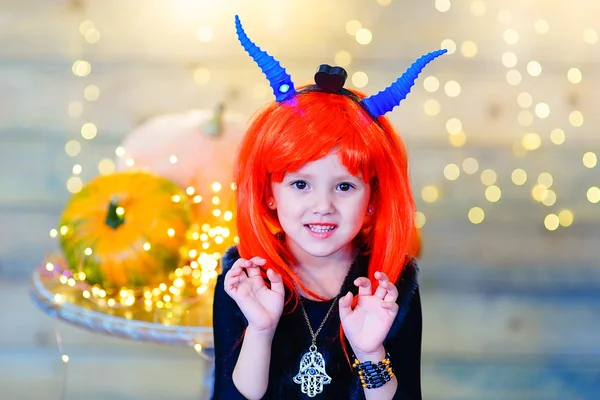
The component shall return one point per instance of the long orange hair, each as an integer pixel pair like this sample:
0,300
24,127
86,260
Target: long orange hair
284,136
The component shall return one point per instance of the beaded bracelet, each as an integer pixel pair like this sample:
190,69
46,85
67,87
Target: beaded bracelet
373,376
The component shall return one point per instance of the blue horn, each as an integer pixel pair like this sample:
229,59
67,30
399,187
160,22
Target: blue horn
280,81
384,101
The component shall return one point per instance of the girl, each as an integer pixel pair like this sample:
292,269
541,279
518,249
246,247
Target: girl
320,298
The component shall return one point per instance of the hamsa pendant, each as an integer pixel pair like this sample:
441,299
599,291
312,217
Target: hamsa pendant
312,376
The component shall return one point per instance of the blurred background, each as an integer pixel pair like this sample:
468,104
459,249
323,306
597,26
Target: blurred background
503,139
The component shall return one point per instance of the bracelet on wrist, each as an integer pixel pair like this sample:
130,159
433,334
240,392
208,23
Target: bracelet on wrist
374,375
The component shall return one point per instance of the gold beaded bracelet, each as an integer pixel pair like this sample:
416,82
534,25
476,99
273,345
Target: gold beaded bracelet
373,376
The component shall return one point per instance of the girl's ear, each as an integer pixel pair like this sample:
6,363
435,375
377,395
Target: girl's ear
271,203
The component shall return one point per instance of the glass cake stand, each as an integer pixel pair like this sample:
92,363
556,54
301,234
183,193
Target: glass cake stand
185,323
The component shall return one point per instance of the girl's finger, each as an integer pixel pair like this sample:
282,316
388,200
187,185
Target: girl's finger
232,282
364,286
381,276
392,292
258,261
382,289
276,282
253,270
345,305
253,266
391,307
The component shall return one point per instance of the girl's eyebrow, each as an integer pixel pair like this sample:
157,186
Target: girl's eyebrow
345,177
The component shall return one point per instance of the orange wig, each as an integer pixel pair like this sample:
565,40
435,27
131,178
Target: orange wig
284,136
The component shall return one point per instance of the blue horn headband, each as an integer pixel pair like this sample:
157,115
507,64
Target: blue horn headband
377,105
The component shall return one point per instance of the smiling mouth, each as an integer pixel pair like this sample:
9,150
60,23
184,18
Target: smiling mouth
321,228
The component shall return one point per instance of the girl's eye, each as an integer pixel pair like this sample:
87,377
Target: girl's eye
300,185
345,187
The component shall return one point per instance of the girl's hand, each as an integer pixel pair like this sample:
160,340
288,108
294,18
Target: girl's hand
367,325
261,306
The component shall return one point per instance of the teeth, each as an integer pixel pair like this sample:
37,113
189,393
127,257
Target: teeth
321,229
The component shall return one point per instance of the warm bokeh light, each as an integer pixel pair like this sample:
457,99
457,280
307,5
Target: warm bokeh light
557,136
565,218
91,93
509,59
538,192
72,148
574,75
511,36
593,195
352,27
420,220
360,79
576,118
106,166
519,177
590,160
470,166
468,49
92,36
449,45
85,26
493,193
454,126
476,215
89,131
364,36
551,222
432,107
452,88
524,100
451,172
590,36
513,77
74,184
525,118
488,177
431,84
343,58
81,68
531,141
429,194
534,68
457,140
442,5
545,179
542,26
548,198
542,110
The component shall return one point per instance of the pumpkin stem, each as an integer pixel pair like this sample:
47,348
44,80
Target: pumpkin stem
115,216
214,127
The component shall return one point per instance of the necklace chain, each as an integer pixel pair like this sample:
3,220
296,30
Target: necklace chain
312,333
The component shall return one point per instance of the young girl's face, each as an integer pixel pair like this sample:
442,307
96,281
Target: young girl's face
321,207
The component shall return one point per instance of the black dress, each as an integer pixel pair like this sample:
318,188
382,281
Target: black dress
292,339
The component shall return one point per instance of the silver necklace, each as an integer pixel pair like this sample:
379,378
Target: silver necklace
312,375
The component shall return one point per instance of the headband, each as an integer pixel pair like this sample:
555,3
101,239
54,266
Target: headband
332,79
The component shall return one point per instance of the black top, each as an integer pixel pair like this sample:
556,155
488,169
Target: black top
292,339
